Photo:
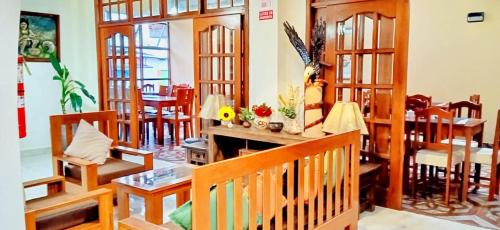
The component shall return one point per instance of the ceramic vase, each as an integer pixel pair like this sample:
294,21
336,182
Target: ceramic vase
247,124
292,126
261,122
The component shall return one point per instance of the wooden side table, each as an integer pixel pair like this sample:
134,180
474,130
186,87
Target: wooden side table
196,153
154,185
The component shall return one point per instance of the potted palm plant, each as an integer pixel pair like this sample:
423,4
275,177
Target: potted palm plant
70,88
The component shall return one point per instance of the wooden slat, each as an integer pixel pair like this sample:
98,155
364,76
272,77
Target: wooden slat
278,214
252,198
290,195
221,206
329,185
346,153
238,203
300,195
338,180
320,186
69,133
266,199
312,190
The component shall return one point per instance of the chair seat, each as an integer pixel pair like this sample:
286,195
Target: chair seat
461,142
483,156
182,117
149,116
112,169
66,217
439,158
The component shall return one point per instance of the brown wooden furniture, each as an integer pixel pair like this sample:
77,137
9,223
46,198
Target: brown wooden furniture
466,109
490,157
145,118
221,136
469,129
153,186
183,113
336,204
219,61
159,102
432,152
196,153
476,98
370,56
148,89
165,90
421,97
63,210
84,174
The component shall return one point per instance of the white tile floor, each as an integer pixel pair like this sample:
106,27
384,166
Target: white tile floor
40,166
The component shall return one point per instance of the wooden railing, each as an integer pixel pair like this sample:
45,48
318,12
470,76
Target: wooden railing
332,201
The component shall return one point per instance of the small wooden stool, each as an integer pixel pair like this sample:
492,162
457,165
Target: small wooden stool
197,153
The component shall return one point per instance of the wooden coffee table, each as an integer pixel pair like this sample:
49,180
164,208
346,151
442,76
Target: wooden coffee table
154,185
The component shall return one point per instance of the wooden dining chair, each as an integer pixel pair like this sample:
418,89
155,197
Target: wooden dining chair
175,87
165,90
148,89
475,98
489,156
183,113
427,99
438,125
145,118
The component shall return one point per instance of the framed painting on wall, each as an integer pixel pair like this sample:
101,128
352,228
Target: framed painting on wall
38,36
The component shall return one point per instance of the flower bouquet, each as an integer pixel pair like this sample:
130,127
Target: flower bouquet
289,108
246,116
262,115
227,114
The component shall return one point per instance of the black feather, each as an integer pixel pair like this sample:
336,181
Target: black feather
318,43
297,43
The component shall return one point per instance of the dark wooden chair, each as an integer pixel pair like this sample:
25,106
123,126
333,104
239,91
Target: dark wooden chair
60,209
145,118
489,156
427,99
183,113
86,175
148,89
437,125
476,98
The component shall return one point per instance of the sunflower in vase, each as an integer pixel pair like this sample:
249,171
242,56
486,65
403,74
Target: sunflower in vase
227,114
263,113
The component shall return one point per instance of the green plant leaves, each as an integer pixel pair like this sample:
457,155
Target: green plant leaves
55,63
76,102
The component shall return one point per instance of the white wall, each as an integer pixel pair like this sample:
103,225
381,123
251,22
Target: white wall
451,59
274,63
78,53
11,195
181,52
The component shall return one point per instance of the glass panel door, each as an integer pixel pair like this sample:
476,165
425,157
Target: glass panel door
119,80
218,59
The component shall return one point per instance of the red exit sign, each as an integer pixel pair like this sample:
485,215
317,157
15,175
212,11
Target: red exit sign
266,15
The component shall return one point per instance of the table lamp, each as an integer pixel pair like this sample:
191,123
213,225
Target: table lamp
345,117
211,106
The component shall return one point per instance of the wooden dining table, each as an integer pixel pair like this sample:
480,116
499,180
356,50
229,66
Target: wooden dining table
468,128
159,102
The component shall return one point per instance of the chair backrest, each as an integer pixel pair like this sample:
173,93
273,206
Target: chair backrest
175,87
475,98
148,89
63,127
427,99
140,105
366,102
437,125
415,104
466,109
184,100
496,139
165,90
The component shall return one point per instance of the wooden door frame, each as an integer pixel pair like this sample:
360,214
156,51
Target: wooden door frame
395,190
127,30
240,97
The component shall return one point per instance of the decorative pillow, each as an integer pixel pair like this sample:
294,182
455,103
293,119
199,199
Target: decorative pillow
89,144
182,216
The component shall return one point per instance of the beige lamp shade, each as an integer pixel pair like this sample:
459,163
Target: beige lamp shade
211,106
345,117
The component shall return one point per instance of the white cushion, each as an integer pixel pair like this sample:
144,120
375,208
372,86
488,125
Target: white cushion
460,142
482,156
89,144
439,157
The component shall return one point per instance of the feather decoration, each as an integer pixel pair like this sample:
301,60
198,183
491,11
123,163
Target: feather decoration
297,43
318,43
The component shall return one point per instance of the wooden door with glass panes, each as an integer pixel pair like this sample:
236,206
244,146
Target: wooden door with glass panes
118,63
217,60
369,67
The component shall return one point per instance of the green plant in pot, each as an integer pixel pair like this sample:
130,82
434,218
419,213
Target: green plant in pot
71,90
246,116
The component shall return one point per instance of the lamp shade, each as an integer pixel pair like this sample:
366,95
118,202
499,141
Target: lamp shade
211,106
344,117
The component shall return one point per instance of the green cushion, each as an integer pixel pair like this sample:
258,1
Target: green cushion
182,216
334,167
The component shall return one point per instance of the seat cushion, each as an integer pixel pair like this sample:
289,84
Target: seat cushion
66,217
112,169
483,156
460,142
439,157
